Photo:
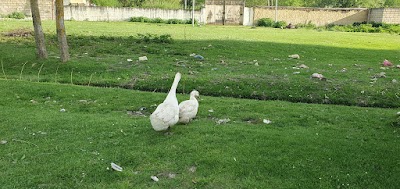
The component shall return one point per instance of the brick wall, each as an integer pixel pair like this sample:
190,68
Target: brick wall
317,16
386,15
46,8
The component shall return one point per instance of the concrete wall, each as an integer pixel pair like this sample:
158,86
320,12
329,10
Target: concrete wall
214,14
234,14
386,15
317,16
81,13
46,8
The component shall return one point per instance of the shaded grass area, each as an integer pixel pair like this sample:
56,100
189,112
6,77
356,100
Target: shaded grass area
305,146
232,68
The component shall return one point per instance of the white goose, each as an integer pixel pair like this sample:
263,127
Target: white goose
188,108
167,113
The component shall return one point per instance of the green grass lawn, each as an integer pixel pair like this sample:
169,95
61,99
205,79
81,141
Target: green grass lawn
305,146
320,136
351,62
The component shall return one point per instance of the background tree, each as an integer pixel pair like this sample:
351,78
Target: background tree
62,37
41,51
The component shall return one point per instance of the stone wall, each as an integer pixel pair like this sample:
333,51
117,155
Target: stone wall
317,16
81,13
46,8
386,15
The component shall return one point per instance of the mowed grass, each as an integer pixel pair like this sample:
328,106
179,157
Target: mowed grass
240,62
305,146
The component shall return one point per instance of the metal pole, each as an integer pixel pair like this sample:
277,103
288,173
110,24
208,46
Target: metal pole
193,13
276,11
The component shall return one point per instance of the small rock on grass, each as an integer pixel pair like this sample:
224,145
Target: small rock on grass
116,167
154,178
192,169
143,58
3,142
294,56
267,121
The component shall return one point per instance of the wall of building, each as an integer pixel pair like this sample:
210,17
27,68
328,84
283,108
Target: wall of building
211,14
317,16
386,15
46,8
81,13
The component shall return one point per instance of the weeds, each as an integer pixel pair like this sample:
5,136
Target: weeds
159,20
154,38
16,15
22,70
2,68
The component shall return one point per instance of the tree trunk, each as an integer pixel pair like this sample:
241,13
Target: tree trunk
62,37
41,51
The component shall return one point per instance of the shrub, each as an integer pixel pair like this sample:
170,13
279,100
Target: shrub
157,20
174,21
139,19
16,15
309,25
266,22
280,24
154,38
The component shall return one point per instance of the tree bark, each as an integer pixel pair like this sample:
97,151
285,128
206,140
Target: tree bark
62,37
41,51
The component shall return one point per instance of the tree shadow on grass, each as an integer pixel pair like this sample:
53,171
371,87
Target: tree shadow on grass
231,68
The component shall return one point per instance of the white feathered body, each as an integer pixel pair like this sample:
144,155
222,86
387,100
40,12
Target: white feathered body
167,113
188,108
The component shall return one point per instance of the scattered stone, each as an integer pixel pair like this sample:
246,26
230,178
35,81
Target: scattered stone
83,101
398,66
192,169
318,76
116,167
62,110
171,175
198,57
154,178
3,142
380,75
294,56
136,113
143,58
256,64
267,121
129,60
303,66
211,110
343,70
296,72
34,101
394,81
223,121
